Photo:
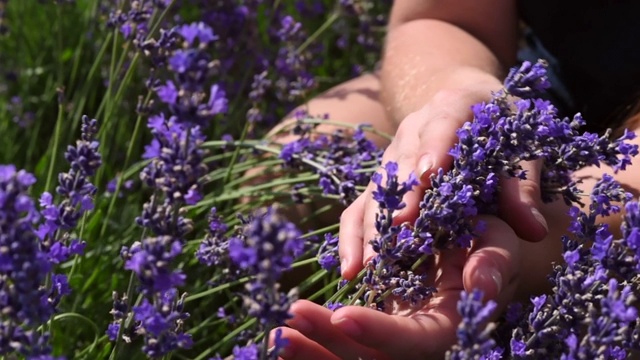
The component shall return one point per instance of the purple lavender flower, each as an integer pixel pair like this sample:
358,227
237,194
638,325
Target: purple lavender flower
199,30
249,352
23,268
151,261
529,80
265,248
162,324
177,161
328,253
266,236
77,193
474,334
213,250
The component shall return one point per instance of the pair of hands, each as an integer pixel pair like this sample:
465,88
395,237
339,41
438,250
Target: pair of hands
421,145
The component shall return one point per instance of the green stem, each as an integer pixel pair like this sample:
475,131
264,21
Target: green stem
54,150
234,158
332,18
119,182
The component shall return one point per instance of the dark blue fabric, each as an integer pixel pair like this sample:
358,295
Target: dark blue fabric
595,50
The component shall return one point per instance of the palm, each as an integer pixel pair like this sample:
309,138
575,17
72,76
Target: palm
407,333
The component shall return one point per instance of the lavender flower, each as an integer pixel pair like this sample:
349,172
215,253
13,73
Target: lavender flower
265,249
161,323
176,166
214,248
474,335
328,253
151,261
529,80
77,193
590,313
24,268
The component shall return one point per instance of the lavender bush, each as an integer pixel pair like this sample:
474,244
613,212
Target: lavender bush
130,227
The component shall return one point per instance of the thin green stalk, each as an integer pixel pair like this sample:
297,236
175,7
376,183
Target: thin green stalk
234,157
332,18
54,149
226,339
127,159
265,342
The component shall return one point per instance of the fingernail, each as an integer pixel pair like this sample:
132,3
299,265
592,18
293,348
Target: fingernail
301,324
396,213
347,326
540,218
485,277
343,266
424,165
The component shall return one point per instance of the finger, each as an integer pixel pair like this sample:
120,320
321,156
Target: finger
313,321
436,140
300,347
350,237
492,264
519,203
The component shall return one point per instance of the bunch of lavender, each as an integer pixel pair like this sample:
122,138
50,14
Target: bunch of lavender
501,135
262,248
590,313
340,159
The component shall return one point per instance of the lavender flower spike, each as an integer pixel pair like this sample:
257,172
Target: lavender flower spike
474,335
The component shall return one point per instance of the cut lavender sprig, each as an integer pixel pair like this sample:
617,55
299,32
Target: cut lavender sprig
341,157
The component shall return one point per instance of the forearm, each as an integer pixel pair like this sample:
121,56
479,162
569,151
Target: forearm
423,57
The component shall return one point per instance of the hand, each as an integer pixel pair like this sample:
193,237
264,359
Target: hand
421,145
360,333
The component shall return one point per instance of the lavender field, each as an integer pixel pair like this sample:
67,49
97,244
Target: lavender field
148,209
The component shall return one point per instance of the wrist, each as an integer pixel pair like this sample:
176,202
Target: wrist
458,88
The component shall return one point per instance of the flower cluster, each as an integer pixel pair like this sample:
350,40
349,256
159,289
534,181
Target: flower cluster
474,331
24,267
34,242
77,193
265,249
591,312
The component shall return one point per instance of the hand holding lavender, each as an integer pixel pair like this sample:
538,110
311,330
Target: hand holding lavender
496,142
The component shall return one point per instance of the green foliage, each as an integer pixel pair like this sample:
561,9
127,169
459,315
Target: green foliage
62,61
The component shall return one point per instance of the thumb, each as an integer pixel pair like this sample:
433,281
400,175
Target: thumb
437,137
437,134
519,201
